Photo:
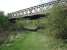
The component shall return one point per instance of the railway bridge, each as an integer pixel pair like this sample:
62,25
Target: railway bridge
34,12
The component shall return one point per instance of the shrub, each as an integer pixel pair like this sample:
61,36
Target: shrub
3,22
57,22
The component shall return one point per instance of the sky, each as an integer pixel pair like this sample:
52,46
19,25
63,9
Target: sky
14,5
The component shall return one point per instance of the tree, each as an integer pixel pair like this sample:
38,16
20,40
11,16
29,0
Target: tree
3,22
57,21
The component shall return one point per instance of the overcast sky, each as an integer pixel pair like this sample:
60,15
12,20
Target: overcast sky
14,5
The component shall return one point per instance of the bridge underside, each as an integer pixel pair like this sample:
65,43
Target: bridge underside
33,17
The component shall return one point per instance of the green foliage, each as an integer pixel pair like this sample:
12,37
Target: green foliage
29,23
57,21
3,22
35,41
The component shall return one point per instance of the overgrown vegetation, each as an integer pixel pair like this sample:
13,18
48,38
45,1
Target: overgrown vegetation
57,22
3,22
3,28
51,33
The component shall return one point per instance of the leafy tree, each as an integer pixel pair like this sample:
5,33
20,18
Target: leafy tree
57,21
3,22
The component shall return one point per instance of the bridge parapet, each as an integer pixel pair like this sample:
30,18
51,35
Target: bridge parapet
40,9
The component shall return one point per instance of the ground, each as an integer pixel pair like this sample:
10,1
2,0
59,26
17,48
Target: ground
36,41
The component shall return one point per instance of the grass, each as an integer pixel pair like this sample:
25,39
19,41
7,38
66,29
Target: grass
36,41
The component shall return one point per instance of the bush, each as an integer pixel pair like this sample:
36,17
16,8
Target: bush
57,22
3,22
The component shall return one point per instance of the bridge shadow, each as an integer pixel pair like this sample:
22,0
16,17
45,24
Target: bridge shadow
34,16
